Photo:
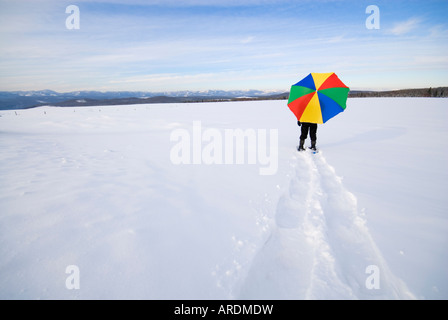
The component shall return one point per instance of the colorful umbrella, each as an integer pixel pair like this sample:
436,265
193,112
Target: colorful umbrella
318,97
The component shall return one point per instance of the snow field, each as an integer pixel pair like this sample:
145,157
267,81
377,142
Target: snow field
96,188
321,243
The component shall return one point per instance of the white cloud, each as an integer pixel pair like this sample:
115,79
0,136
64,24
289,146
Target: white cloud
439,31
247,40
405,27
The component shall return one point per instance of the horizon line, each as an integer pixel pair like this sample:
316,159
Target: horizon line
208,90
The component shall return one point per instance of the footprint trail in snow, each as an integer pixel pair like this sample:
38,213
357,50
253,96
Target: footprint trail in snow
320,247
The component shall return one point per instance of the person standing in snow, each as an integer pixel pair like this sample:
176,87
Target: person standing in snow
312,128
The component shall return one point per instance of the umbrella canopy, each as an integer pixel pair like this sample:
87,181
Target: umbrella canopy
318,97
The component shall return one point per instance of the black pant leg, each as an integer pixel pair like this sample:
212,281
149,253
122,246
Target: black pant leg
313,131
305,128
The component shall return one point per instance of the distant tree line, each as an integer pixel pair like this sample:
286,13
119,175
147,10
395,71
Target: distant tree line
440,92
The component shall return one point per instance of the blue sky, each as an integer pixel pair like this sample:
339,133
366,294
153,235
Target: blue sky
225,44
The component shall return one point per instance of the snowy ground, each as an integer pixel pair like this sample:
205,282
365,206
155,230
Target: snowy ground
98,188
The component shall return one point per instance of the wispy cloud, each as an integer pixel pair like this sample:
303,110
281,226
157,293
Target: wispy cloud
439,32
248,39
405,27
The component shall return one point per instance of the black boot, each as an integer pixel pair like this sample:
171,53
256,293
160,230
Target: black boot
301,148
313,145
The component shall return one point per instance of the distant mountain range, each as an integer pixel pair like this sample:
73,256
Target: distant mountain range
11,100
